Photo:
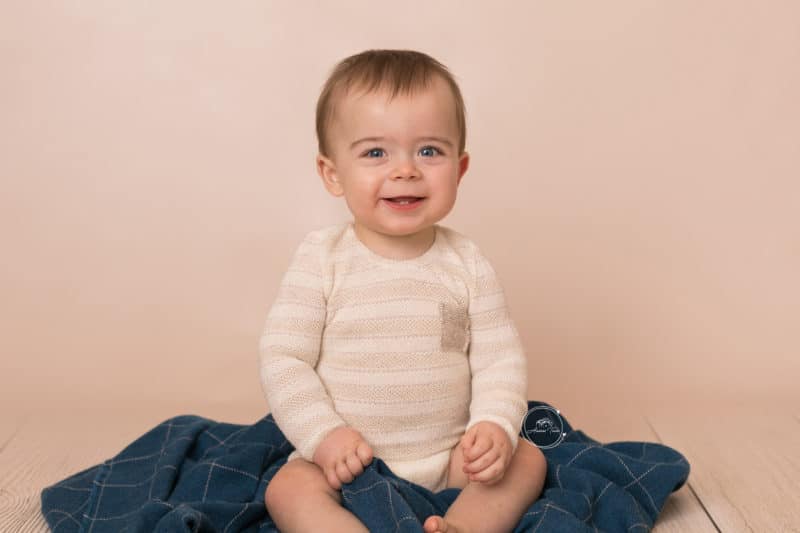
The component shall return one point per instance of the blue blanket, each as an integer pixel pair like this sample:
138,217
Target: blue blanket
190,473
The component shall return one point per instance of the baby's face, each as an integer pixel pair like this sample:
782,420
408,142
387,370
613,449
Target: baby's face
404,147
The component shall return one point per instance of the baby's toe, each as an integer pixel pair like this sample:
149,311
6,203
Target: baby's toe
434,524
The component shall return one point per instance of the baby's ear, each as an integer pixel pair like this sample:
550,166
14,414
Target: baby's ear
463,165
327,171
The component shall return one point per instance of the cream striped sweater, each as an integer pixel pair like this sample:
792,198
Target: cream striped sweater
411,353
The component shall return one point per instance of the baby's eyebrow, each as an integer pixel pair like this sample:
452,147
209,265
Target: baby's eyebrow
428,138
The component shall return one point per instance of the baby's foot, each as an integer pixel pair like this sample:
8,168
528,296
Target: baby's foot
437,524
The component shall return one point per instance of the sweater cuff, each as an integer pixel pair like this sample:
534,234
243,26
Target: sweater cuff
307,449
511,431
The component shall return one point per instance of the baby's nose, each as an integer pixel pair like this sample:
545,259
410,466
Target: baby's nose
406,169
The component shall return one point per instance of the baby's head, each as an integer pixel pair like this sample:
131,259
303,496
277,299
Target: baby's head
392,123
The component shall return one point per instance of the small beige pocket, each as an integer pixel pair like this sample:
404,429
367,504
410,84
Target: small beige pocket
455,328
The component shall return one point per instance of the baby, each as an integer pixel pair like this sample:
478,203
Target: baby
389,336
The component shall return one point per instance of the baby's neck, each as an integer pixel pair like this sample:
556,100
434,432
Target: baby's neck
396,247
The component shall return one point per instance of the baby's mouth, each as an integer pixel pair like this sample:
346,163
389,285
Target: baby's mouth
405,199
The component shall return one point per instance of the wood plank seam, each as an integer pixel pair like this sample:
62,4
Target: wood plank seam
14,434
688,481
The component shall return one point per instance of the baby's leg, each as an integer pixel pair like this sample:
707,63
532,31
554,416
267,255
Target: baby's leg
497,507
299,498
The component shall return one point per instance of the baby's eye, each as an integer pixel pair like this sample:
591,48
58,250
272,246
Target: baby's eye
373,150
432,148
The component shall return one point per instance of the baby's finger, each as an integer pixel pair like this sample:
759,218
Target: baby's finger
490,474
333,479
364,452
481,446
494,480
482,462
354,464
468,439
343,473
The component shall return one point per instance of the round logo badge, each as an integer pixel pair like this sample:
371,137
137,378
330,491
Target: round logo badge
543,427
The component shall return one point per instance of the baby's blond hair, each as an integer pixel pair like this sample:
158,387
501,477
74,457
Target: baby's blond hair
401,71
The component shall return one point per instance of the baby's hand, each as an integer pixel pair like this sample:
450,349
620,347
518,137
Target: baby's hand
487,452
342,455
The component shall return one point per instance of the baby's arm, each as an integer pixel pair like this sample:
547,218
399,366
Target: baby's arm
289,349
498,364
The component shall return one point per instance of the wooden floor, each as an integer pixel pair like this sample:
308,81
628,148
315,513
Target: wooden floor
744,453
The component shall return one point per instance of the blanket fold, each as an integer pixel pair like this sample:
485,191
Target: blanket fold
193,474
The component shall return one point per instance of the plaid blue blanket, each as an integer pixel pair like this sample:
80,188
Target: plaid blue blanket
190,473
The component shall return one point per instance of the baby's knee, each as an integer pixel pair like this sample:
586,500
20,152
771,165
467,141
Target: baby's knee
295,478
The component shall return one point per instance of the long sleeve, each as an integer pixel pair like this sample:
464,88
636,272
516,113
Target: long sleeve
496,357
289,349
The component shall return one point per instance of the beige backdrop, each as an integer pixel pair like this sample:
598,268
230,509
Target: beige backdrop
634,180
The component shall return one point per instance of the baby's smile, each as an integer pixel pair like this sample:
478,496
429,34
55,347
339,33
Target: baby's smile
404,203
